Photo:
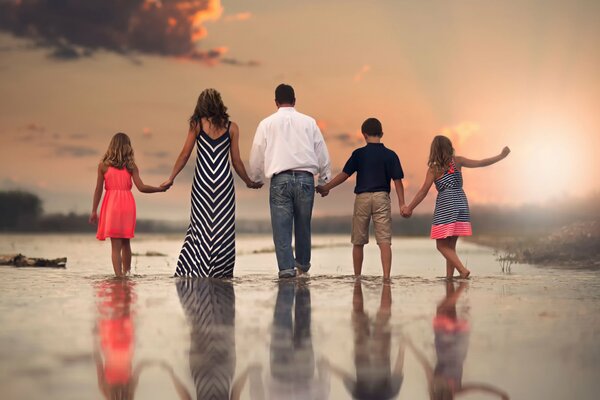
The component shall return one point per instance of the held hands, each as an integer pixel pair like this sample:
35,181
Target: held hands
505,151
321,190
405,211
93,218
254,185
166,184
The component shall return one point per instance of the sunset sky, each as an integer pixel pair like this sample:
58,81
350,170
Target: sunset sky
486,73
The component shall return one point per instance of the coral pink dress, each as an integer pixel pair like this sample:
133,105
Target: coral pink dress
117,215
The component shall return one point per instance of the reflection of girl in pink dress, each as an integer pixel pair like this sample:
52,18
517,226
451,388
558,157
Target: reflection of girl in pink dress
451,345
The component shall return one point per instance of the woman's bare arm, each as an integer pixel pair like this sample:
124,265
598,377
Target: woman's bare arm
97,193
142,187
183,157
429,178
468,163
236,160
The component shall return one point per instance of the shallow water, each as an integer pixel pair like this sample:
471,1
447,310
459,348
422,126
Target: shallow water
79,333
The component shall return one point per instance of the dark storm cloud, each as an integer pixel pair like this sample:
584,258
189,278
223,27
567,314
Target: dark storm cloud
72,29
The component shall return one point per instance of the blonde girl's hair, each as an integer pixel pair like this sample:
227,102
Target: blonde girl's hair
119,153
440,155
210,105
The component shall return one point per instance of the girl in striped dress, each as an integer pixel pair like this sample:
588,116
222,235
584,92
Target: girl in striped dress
451,217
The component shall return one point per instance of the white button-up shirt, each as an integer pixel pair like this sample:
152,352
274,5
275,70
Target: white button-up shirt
289,140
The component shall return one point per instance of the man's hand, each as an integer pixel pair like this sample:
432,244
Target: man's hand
321,190
93,218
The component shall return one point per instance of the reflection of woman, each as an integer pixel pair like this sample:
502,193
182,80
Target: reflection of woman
209,305
375,378
292,356
451,344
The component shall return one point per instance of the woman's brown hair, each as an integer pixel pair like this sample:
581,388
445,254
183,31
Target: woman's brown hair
210,106
440,155
119,153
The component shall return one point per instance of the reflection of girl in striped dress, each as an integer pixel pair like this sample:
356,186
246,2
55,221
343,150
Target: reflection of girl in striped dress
451,217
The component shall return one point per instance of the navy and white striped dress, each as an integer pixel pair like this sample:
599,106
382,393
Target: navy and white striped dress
209,246
451,216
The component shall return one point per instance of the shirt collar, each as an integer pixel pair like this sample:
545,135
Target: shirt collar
286,109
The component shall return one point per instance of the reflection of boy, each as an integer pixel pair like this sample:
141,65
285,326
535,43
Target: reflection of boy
375,165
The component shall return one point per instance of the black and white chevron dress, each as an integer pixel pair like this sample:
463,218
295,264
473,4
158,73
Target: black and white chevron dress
209,306
209,247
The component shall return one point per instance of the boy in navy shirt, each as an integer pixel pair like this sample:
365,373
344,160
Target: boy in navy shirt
375,166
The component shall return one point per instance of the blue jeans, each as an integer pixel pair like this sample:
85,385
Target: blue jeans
291,199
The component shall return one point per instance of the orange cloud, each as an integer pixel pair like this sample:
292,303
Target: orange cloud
360,74
212,12
243,16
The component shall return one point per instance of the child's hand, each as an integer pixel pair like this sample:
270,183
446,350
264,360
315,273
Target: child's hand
93,218
505,151
322,191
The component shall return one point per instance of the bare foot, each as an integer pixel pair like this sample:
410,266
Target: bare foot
465,275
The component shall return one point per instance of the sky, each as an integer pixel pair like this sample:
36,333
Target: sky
487,74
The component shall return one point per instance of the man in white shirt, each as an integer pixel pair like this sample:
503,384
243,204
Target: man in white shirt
289,149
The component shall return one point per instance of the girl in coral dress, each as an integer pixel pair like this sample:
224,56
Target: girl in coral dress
117,215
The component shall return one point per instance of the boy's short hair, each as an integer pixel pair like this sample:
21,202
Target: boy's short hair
372,127
284,94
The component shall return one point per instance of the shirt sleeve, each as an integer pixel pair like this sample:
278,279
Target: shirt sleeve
395,167
322,156
256,165
350,166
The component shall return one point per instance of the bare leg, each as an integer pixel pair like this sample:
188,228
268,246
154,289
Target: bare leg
126,256
117,261
445,247
357,258
386,259
449,267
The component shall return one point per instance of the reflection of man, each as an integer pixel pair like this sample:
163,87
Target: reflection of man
289,149
375,378
292,365
451,345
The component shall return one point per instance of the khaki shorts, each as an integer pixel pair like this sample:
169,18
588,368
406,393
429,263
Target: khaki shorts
372,205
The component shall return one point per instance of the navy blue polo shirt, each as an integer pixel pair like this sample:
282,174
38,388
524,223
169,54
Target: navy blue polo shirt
375,165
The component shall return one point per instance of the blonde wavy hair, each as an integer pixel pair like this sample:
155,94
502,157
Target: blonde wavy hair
210,105
440,155
119,153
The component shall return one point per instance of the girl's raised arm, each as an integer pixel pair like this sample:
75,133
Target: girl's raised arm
236,160
183,157
97,194
465,162
429,178
142,187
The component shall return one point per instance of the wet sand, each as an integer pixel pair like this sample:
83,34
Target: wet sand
79,333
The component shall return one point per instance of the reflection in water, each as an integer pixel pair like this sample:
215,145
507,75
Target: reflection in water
451,345
292,365
375,378
209,306
113,349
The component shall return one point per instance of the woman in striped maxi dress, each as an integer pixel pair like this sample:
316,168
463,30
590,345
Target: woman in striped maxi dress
451,217
209,246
